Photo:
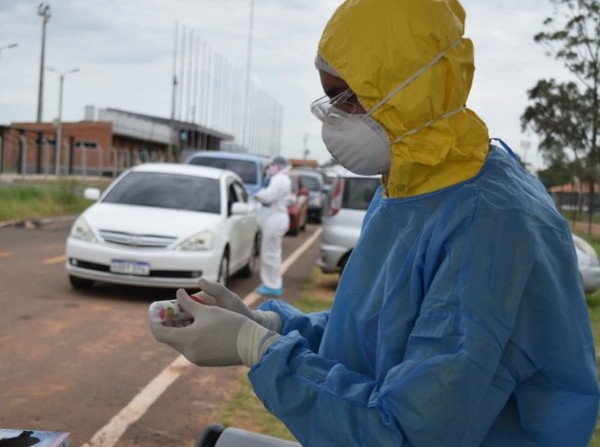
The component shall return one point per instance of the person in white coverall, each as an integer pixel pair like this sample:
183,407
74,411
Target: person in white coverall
274,222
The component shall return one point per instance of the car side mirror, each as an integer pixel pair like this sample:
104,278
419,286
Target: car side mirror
91,194
238,208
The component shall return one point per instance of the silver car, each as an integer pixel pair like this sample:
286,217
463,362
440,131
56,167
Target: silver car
350,198
589,266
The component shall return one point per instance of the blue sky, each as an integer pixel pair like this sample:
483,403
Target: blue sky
124,50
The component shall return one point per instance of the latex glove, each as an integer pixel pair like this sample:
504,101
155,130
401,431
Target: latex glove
216,337
216,294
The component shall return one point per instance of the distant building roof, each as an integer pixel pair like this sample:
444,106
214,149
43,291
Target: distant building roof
152,128
297,162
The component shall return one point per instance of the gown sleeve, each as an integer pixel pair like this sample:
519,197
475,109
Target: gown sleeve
309,326
454,373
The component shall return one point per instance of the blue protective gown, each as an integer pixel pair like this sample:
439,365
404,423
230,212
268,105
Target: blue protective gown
459,320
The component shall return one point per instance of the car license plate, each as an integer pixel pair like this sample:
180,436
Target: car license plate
129,267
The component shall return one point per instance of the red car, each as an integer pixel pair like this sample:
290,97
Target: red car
298,205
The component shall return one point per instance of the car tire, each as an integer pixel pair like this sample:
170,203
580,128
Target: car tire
224,269
319,217
293,231
248,270
258,244
80,283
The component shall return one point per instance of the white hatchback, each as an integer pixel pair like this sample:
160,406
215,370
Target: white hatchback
164,225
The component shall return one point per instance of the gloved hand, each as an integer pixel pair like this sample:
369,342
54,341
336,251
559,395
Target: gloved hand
216,337
216,294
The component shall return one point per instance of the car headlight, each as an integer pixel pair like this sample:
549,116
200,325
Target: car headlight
82,231
204,240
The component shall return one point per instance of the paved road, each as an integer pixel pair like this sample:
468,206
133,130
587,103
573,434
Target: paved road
82,362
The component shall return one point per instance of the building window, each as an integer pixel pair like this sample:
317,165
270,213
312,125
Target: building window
86,145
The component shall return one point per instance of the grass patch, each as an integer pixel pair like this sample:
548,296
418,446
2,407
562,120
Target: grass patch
244,410
39,199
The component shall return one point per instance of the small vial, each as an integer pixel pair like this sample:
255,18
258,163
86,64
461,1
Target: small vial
167,312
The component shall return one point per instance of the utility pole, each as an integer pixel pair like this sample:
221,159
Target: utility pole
44,12
305,141
58,142
171,153
248,68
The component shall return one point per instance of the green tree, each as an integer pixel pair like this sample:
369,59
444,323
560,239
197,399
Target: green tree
565,115
557,173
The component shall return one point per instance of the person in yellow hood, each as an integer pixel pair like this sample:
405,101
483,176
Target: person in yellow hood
460,318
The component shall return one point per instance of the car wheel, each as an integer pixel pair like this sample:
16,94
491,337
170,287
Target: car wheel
80,283
224,269
293,231
319,217
258,243
248,269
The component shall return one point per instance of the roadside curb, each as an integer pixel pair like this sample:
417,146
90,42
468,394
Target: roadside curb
33,223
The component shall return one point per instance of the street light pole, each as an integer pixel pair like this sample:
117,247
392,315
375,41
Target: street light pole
58,142
12,45
248,68
44,12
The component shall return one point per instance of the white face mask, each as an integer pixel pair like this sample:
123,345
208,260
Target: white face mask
359,144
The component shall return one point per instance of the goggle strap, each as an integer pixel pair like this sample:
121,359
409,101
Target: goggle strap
429,123
414,76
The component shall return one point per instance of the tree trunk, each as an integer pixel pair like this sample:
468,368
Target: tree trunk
591,207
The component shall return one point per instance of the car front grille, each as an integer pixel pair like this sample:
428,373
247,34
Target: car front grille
136,240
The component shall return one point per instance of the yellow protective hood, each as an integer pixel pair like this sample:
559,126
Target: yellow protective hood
375,46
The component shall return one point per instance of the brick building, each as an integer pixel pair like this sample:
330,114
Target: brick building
105,144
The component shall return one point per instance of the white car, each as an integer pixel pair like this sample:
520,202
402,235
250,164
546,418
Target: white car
589,266
164,225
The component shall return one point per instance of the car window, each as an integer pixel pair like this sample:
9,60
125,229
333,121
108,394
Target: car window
235,193
358,192
244,168
163,190
240,192
311,183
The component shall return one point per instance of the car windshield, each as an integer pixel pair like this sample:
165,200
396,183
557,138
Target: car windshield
245,169
180,192
311,183
358,192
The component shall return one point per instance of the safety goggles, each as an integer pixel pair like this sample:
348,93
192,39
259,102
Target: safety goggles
335,110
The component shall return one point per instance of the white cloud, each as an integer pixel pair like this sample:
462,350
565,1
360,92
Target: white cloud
125,50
